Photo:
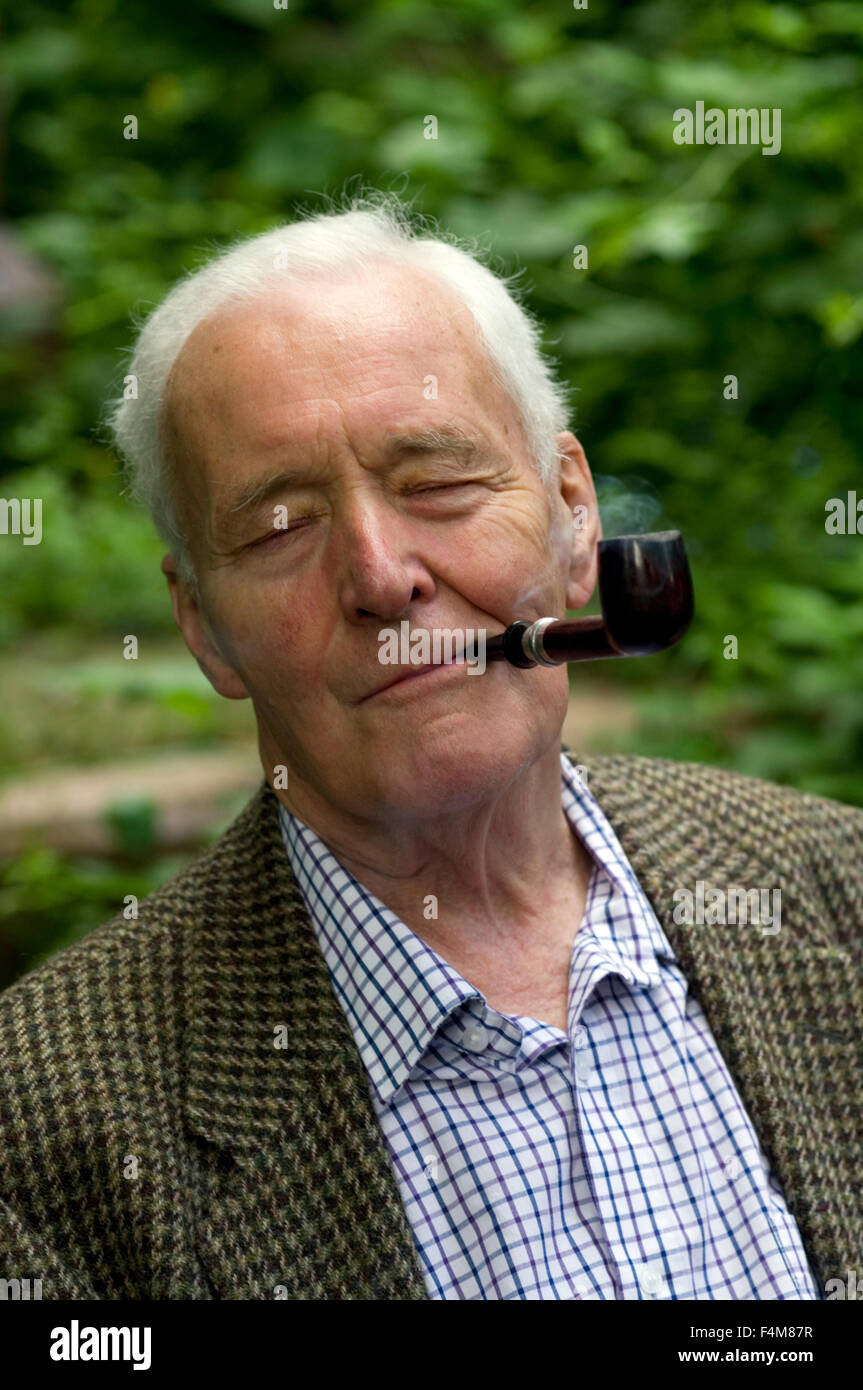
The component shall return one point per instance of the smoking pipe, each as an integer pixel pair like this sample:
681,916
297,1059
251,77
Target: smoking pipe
645,590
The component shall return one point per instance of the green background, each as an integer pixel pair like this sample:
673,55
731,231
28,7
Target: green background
555,129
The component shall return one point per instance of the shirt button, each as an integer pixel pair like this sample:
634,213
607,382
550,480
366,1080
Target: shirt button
583,1066
580,1036
475,1038
650,1278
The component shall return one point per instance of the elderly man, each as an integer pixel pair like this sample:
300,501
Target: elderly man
425,1022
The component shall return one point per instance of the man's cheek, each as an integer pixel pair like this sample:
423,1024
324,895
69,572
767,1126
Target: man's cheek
289,675
511,537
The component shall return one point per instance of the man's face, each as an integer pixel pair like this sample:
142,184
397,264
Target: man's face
321,398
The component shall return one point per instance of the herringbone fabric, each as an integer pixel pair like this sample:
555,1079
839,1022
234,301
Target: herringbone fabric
157,1143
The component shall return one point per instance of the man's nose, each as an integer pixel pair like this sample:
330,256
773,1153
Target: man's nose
379,564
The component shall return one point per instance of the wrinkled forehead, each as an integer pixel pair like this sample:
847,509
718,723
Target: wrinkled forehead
380,326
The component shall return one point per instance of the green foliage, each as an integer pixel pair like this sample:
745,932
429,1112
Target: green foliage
69,702
97,566
133,825
49,900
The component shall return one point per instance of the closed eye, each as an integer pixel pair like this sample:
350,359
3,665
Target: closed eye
443,487
299,525
302,523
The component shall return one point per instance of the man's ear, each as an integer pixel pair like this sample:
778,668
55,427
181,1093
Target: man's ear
196,632
577,498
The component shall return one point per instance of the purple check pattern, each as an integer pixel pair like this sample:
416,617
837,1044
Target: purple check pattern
613,1161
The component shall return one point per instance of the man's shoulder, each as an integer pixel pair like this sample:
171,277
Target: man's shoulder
654,800
670,802
122,979
96,1049
648,778
72,1024
658,798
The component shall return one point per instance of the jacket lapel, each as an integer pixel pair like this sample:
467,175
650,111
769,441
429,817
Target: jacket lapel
300,1198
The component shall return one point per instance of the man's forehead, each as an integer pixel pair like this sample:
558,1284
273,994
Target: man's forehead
366,333
266,391
370,301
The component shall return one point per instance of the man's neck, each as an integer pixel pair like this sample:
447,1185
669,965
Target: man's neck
499,893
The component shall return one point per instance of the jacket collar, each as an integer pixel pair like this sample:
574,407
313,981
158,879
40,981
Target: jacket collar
253,967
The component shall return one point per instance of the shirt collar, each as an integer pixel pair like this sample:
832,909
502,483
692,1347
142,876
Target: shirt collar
628,928
397,992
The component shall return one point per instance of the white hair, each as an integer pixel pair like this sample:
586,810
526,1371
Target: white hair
374,226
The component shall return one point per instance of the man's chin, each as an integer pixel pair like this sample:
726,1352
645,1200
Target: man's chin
450,765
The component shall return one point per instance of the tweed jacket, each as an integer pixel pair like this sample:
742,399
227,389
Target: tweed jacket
158,1140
